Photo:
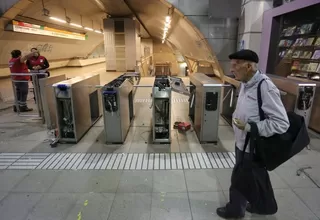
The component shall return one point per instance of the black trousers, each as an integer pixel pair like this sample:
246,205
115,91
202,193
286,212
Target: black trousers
22,89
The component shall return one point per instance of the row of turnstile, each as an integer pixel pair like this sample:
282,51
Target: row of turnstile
73,106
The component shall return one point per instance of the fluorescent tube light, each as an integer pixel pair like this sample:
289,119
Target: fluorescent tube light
76,25
57,19
89,29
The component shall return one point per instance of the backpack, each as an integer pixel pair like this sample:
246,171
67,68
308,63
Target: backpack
277,149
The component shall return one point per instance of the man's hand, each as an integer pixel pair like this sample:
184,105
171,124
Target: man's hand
241,125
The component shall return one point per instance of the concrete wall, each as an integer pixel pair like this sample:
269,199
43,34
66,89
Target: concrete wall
163,53
146,43
250,26
220,32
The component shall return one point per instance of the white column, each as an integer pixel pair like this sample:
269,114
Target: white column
250,25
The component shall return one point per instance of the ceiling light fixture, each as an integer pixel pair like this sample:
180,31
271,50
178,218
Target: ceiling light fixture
89,29
76,25
57,19
166,27
168,19
97,31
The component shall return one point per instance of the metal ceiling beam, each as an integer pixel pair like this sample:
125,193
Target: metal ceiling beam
99,4
137,16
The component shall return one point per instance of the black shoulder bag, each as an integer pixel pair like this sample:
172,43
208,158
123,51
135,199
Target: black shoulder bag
253,182
277,149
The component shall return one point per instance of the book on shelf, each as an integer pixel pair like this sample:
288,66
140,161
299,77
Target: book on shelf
290,31
318,69
285,43
304,67
317,42
288,53
298,42
304,29
310,41
296,54
282,53
306,55
312,67
316,55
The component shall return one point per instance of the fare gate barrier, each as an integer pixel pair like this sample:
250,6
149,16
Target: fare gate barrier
79,105
48,100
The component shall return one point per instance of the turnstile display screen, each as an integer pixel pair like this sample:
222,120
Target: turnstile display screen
110,100
211,101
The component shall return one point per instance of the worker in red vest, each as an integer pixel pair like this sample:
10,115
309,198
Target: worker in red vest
17,66
38,63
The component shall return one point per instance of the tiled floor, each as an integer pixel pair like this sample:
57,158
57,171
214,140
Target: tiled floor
55,188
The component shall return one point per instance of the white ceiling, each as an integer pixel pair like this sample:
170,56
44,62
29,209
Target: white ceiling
151,13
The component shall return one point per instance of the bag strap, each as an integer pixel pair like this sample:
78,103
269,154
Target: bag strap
246,142
261,112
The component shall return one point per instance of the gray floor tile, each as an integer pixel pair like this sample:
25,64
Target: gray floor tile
307,158
228,145
277,182
314,173
226,133
291,207
9,178
169,206
87,181
37,181
133,206
202,180
288,174
204,204
136,182
3,195
16,206
169,181
311,197
95,206
53,206
224,178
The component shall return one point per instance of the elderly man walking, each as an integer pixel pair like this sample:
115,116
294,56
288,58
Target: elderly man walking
244,67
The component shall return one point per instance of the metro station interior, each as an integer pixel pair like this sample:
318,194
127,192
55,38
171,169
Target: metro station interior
133,117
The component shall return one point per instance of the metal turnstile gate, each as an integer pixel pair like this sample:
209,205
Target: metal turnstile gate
78,106
161,99
204,106
118,113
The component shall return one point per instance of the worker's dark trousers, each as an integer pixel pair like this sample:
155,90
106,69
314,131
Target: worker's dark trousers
237,202
21,92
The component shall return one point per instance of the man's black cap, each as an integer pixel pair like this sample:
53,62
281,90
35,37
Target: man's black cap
247,55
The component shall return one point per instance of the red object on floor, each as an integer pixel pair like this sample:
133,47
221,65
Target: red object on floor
184,126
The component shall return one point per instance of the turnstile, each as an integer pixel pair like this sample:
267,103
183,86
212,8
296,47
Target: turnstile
161,99
78,106
48,100
204,106
118,113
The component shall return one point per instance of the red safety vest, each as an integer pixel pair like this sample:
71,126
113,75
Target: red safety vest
17,67
37,61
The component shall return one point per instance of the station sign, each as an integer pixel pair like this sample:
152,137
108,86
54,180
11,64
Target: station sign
27,28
